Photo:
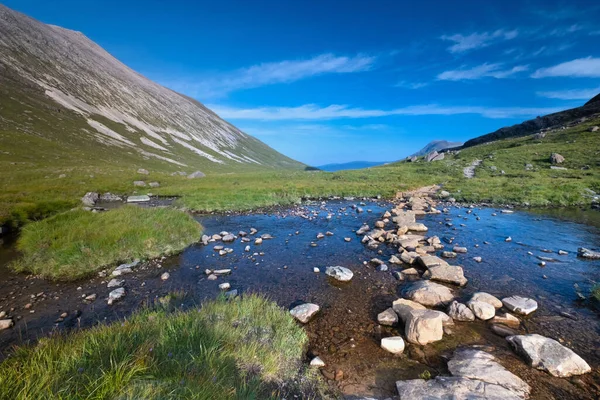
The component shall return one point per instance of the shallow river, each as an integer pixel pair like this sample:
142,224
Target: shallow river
346,334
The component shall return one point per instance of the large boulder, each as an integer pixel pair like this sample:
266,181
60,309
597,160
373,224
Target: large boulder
304,312
424,326
460,312
549,355
341,274
197,174
476,376
520,305
428,293
556,158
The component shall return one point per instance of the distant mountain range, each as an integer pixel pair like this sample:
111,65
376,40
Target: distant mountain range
64,97
436,145
350,165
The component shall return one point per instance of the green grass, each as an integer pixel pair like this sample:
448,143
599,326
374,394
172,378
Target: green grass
77,243
596,292
246,349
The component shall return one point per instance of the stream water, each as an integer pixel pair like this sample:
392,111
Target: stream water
346,334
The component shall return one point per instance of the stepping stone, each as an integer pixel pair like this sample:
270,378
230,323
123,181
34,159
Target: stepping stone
549,355
487,298
520,305
341,274
428,293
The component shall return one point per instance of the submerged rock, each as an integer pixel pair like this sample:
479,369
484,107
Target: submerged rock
549,355
339,273
304,312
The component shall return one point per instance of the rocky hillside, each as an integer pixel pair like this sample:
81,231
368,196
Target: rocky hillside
557,120
63,96
436,145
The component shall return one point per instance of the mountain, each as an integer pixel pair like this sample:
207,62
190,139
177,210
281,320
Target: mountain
64,97
436,145
350,165
552,121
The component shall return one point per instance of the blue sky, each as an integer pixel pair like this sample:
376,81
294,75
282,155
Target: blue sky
325,81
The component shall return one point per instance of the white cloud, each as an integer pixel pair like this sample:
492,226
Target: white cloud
481,71
588,67
571,94
411,85
336,111
286,71
477,40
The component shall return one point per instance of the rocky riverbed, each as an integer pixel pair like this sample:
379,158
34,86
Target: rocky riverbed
278,253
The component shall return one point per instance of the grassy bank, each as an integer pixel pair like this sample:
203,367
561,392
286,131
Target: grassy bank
244,349
77,243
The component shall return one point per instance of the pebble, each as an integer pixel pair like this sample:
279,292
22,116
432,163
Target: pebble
225,286
165,276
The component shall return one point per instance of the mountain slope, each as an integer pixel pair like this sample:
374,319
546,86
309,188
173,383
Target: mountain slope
552,121
436,145
350,165
64,96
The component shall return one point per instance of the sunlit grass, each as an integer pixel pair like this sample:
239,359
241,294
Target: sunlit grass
77,243
245,349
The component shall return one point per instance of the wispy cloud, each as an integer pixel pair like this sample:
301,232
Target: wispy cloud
411,85
313,129
286,71
571,94
481,71
588,67
477,40
336,111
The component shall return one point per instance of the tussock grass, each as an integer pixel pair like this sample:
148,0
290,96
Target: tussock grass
77,243
246,349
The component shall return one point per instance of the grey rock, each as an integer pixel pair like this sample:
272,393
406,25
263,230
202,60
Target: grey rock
115,283
428,293
447,273
460,312
304,312
589,254
139,183
487,298
387,317
520,305
90,199
556,158
116,295
143,171
424,326
154,184
394,344
5,324
339,273
110,197
195,175
549,355
482,310
138,199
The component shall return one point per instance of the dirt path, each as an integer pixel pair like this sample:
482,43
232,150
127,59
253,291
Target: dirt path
469,171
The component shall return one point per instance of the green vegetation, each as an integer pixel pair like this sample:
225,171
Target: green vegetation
244,349
77,243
